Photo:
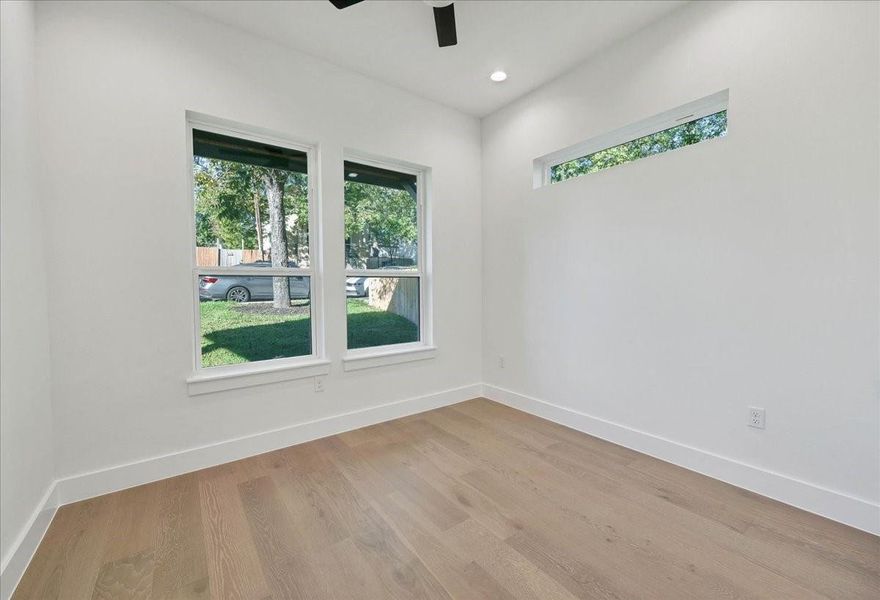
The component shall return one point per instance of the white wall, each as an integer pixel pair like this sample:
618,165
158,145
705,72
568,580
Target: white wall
115,80
665,295
670,294
25,405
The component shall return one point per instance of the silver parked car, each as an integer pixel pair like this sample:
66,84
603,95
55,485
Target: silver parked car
357,286
245,288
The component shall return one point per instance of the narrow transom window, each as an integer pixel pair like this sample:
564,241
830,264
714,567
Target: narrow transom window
690,124
691,132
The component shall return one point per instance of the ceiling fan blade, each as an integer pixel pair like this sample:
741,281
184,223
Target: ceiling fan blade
340,4
444,19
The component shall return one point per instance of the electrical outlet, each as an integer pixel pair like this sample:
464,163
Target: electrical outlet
756,417
501,362
319,384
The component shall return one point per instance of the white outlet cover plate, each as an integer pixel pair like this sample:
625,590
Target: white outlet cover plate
756,417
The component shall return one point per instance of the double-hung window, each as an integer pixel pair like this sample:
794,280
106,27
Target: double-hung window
254,253
385,258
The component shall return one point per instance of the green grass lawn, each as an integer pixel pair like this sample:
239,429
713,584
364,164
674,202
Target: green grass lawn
237,333
368,326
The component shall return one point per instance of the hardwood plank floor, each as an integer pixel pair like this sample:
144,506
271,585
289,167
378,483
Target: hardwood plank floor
471,501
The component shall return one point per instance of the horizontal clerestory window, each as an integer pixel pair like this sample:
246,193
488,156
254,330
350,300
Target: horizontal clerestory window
692,132
690,124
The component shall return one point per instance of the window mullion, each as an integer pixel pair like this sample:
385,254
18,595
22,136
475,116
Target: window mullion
255,272
383,273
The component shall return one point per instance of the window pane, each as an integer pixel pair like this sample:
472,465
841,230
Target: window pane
250,318
711,126
381,218
382,311
251,202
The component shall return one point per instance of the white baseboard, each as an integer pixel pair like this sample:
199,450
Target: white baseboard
834,505
103,481
19,555
112,479
855,512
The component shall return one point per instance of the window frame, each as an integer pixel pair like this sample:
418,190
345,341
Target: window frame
685,113
373,356
210,379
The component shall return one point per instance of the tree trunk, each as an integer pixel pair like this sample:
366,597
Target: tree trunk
259,223
274,182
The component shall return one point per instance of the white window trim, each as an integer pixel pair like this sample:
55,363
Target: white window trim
377,356
665,120
204,380
381,356
260,373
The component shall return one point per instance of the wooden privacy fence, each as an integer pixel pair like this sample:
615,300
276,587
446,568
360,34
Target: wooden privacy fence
225,257
397,295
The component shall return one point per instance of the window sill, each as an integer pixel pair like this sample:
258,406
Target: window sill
368,358
235,377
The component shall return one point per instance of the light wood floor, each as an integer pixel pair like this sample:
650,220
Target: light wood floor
471,501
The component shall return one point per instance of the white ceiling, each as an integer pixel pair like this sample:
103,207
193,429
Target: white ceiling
395,41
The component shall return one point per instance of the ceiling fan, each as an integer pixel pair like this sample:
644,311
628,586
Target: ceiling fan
444,18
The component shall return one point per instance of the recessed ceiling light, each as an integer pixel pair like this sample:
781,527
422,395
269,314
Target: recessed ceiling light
498,76
352,175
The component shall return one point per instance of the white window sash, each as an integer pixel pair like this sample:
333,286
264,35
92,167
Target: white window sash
313,272
423,270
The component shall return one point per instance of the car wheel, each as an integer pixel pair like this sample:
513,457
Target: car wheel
238,294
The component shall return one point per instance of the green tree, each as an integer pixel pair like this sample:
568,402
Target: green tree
714,125
378,218
233,203
224,203
225,194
